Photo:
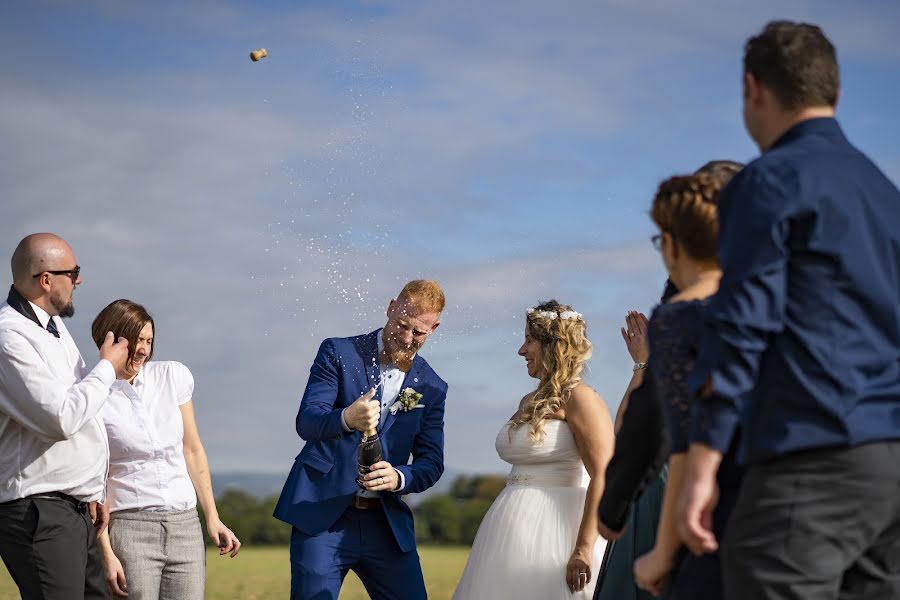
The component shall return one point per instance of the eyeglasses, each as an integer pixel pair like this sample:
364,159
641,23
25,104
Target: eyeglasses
656,240
72,273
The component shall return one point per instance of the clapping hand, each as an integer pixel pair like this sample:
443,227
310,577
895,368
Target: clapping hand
635,335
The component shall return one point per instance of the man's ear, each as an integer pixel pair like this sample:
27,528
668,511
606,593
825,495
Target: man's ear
752,90
44,282
436,325
390,308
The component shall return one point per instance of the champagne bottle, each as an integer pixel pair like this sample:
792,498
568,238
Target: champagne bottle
368,453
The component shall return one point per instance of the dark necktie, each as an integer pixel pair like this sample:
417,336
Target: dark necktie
51,327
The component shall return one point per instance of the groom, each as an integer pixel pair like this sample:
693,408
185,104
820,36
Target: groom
353,386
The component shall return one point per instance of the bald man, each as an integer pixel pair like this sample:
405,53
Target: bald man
53,449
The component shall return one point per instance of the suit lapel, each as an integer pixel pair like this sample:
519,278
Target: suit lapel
411,380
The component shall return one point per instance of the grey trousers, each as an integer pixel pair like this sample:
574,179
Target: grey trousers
162,553
820,525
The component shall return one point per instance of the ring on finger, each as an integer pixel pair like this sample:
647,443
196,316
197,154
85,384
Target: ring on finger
630,334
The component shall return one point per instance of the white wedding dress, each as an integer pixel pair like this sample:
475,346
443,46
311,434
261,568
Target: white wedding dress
526,538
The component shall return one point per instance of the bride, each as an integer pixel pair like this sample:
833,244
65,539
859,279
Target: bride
539,539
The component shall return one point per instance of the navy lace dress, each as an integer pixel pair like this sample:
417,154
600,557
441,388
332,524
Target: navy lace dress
674,334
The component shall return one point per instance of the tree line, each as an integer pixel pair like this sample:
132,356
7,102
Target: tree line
448,518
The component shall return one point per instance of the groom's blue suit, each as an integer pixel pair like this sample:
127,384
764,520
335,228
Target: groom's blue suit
330,536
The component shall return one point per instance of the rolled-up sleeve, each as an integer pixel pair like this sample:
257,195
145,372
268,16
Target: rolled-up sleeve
748,308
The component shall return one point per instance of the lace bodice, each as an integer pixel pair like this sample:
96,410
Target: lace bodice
553,463
674,334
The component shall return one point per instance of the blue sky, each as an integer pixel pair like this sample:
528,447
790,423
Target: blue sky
508,149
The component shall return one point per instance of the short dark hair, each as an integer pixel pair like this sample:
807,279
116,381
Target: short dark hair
797,62
125,319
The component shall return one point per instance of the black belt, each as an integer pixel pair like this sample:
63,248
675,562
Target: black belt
78,504
364,503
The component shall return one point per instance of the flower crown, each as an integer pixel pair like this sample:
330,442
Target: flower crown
566,315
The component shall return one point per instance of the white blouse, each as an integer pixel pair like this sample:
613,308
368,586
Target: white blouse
143,421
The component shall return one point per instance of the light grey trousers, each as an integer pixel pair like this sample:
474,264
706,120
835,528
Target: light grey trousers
162,553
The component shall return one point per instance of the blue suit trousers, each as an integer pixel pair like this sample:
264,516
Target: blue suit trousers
360,540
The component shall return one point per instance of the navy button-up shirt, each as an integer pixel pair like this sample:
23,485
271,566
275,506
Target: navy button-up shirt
802,341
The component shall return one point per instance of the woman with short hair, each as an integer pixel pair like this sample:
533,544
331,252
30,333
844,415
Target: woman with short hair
153,548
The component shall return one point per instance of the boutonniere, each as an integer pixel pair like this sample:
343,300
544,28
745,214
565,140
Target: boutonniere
407,400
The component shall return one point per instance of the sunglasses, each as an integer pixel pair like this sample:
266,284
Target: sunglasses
72,273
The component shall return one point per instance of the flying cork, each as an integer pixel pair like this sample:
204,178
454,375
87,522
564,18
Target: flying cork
258,54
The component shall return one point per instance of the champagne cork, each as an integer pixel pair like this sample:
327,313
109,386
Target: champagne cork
258,54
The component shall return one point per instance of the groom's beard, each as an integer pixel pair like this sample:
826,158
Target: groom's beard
402,357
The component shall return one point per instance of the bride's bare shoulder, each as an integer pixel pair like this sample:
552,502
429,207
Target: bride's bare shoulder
583,397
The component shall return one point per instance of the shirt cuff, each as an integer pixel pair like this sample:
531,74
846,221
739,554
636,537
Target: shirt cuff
106,372
344,425
714,422
402,480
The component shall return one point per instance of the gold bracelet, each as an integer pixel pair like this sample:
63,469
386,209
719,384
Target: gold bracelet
639,366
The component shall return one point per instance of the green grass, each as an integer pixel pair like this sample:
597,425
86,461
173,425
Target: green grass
264,572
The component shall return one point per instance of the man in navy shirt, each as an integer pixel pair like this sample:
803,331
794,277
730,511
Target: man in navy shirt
802,346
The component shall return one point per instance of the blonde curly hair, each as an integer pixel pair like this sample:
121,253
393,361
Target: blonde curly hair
565,348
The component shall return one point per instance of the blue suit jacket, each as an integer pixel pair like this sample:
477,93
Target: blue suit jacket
322,482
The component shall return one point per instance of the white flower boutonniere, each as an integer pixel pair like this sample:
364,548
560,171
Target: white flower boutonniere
407,400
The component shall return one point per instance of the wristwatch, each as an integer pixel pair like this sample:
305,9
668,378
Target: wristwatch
639,365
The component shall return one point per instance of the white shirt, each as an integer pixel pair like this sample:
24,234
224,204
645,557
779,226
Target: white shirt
391,383
147,470
51,436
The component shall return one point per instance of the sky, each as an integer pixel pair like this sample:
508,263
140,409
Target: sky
507,149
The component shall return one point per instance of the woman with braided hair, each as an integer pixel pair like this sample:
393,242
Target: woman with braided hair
539,539
685,212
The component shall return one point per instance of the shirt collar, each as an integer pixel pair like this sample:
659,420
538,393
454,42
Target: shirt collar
827,126
138,381
26,308
42,315
378,336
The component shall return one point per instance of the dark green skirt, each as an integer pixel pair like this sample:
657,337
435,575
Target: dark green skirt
617,574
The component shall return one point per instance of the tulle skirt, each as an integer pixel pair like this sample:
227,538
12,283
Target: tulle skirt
523,545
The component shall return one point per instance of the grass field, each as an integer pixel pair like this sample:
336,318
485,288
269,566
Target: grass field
264,572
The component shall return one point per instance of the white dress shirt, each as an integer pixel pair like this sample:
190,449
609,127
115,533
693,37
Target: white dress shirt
147,470
391,383
51,436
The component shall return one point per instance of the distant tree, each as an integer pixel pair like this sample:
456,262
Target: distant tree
470,516
454,517
489,487
439,517
268,529
451,518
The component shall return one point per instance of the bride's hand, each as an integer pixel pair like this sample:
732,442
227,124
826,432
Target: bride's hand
578,571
